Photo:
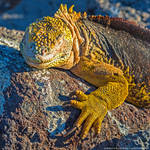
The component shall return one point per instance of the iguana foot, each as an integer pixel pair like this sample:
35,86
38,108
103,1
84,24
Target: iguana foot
93,111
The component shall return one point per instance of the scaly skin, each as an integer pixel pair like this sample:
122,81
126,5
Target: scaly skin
110,53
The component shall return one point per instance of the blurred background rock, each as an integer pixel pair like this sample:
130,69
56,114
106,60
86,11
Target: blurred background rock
17,14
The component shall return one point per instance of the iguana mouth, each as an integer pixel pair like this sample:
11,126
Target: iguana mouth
50,62
46,60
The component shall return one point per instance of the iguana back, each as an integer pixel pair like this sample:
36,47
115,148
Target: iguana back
124,48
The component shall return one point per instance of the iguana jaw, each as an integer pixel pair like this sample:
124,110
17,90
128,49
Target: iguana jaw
47,63
47,60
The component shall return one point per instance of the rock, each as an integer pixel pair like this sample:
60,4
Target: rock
33,114
128,9
8,4
137,140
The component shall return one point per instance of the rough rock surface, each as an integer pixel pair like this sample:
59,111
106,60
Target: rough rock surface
32,114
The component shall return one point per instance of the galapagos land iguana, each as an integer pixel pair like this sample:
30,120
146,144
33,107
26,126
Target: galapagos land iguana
110,53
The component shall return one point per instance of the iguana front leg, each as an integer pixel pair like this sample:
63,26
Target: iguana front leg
112,91
93,111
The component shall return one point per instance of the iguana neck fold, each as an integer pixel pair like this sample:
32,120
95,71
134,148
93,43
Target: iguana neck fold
70,17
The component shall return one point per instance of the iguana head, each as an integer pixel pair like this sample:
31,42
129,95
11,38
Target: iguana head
47,43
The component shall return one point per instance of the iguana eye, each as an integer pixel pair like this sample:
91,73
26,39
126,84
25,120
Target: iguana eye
57,38
116,74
